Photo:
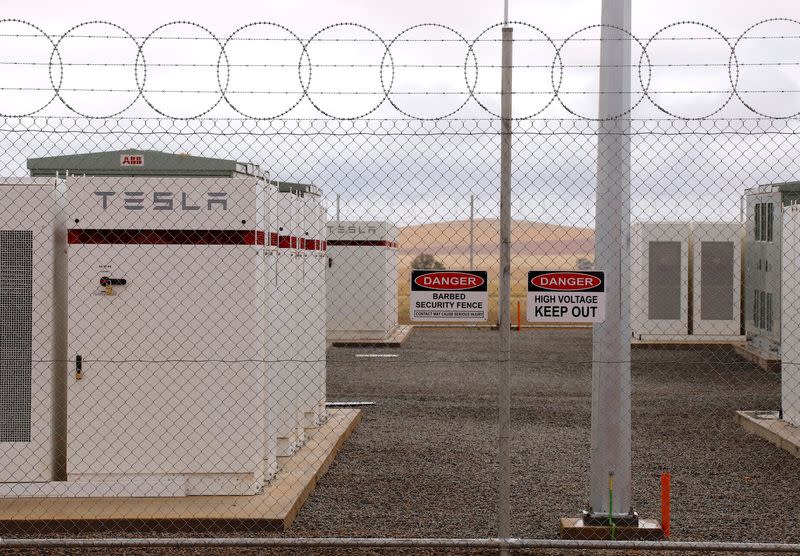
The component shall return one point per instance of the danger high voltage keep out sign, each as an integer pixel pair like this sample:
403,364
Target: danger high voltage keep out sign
449,295
566,296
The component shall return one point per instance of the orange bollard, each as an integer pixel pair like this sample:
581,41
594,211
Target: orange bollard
519,317
665,495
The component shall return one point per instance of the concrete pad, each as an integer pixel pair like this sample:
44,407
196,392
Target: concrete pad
573,528
673,342
768,426
394,339
275,508
755,357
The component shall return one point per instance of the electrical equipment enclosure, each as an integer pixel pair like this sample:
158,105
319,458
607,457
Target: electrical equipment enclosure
762,299
716,279
31,248
295,291
362,279
660,280
166,390
790,315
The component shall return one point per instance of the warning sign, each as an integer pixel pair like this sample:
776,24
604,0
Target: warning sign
449,295
566,296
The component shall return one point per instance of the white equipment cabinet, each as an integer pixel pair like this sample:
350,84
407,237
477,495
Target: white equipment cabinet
296,301
28,349
716,280
361,280
790,317
313,305
283,342
660,280
166,335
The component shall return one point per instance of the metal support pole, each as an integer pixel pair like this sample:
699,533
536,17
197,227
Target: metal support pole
611,347
472,232
337,208
504,309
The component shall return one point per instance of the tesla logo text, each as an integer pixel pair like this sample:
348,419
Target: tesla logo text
164,200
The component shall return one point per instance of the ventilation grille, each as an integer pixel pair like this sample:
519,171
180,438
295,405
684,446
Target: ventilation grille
16,274
716,280
664,274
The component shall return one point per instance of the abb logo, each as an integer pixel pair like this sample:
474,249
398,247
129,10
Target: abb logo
131,160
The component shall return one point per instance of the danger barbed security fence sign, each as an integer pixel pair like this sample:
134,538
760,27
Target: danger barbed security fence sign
566,296
449,295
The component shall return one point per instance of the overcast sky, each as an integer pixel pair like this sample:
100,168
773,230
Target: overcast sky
414,179
269,91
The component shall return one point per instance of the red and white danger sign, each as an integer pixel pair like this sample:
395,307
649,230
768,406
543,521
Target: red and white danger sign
566,296
449,295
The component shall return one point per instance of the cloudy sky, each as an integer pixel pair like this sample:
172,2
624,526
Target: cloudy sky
414,172
350,68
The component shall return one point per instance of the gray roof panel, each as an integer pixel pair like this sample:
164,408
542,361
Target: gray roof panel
297,188
136,162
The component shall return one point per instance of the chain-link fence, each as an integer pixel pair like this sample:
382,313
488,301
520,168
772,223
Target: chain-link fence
206,318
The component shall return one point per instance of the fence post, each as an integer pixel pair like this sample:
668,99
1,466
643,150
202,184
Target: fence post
611,349
504,309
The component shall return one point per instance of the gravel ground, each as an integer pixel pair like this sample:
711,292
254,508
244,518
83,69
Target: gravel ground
423,461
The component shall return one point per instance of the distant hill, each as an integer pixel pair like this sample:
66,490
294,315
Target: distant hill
528,238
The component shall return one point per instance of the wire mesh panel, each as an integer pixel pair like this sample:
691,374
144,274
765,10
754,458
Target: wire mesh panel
227,353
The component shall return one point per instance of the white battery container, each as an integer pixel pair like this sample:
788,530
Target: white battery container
790,315
166,334
31,246
716,279
660,280
361,280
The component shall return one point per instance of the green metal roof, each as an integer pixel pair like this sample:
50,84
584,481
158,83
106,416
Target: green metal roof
135,162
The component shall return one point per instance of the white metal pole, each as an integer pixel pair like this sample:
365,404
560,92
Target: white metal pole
611,348
504,309
471,232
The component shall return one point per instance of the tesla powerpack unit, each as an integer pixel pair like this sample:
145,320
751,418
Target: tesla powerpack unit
283,342
29,351
716,279
362,280
166,334
660,280
311,302
295,294
790,315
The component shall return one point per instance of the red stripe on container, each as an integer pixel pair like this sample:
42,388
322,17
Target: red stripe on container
292,242
164,237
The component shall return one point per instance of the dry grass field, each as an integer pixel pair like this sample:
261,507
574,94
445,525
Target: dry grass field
534,246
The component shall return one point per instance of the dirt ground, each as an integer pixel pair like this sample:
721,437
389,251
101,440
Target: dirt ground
423,461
